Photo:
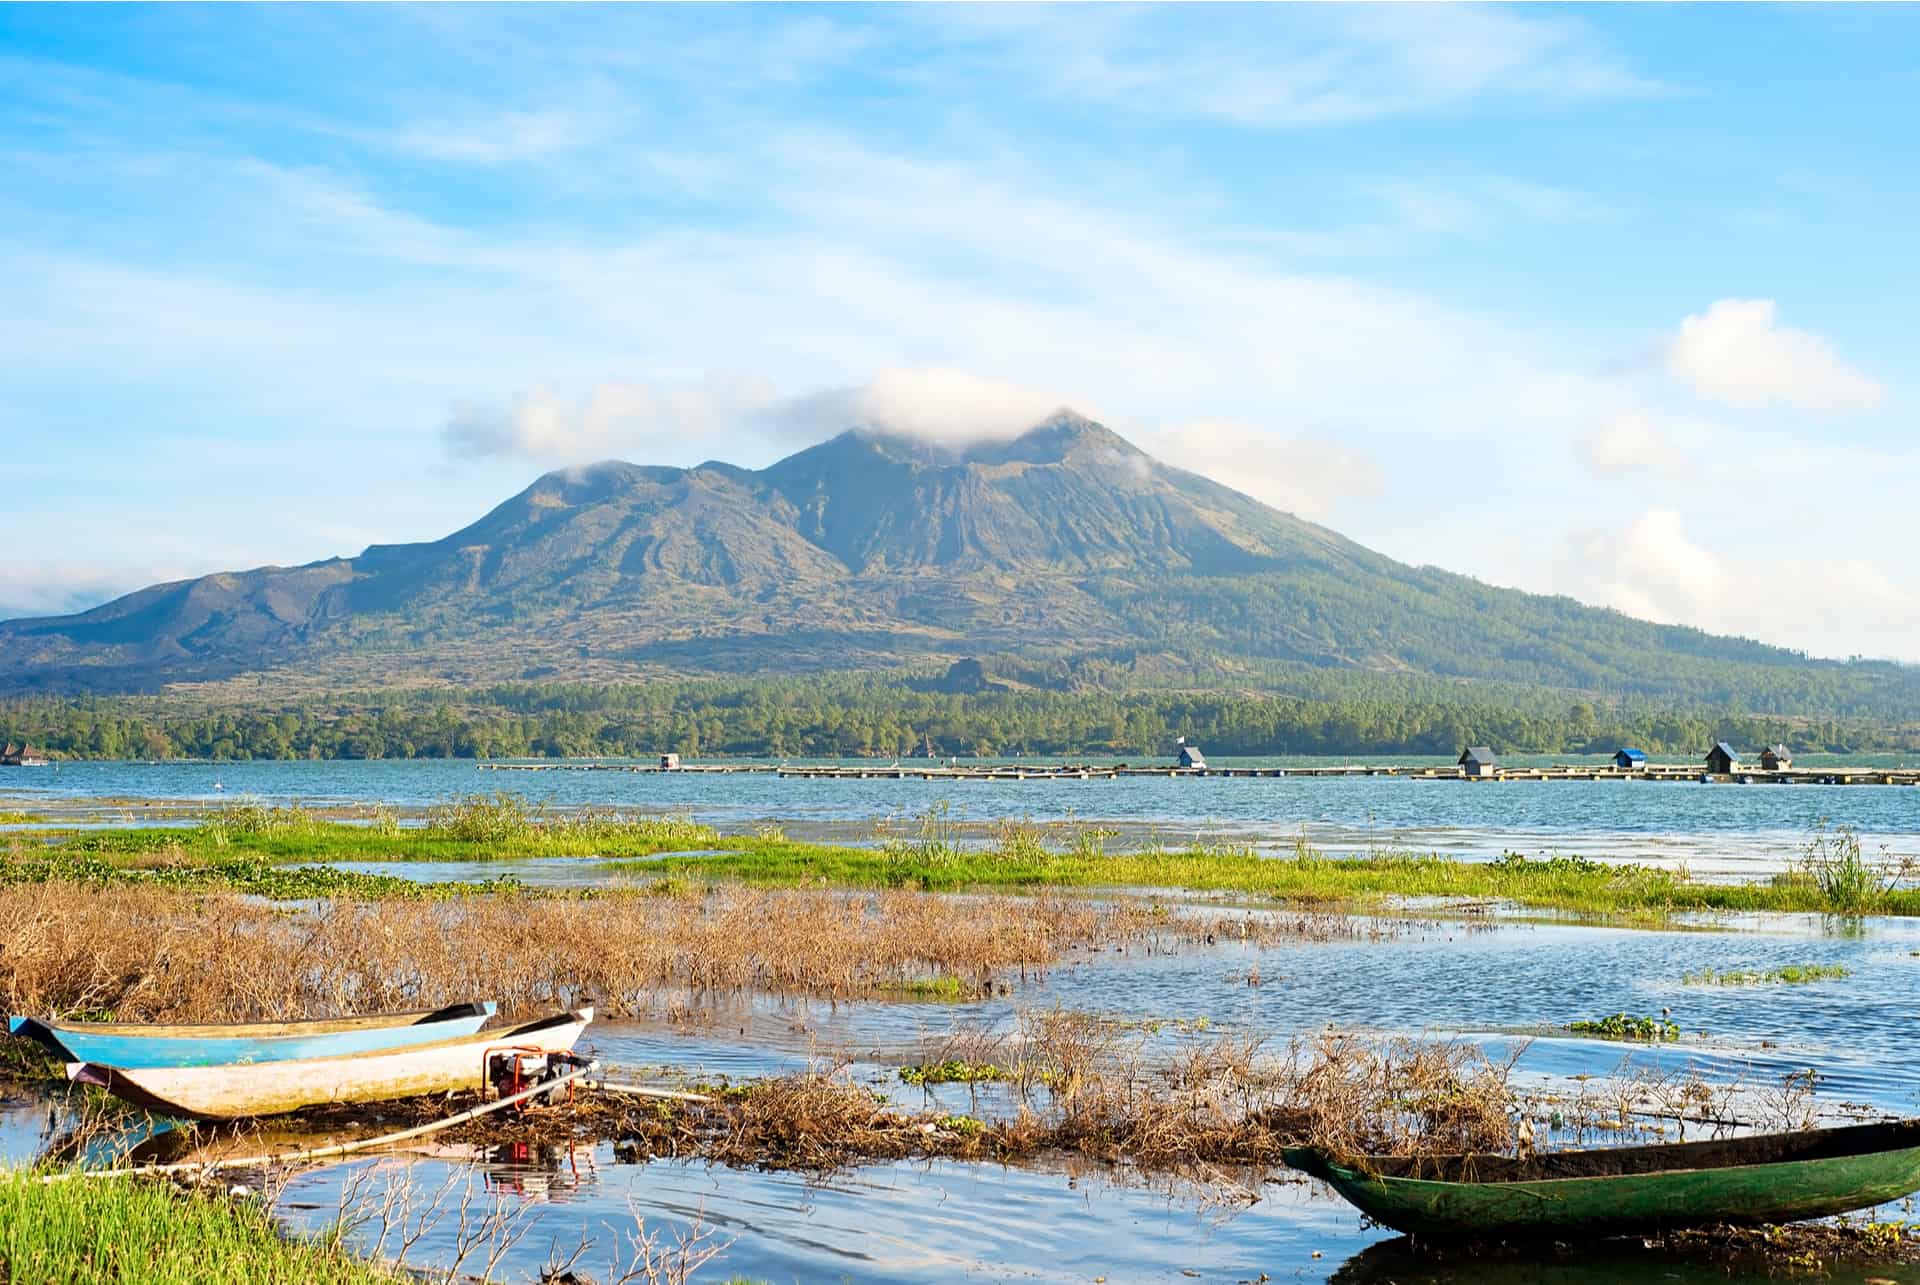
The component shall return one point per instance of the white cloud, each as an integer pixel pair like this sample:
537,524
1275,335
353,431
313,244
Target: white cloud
615,418
1737,354
1630,444
1756,583
57,588
1303,474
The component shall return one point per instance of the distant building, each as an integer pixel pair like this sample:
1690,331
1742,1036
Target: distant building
1722,758
669,762
1628,759
1190,755
1776,758
22,755
1478,760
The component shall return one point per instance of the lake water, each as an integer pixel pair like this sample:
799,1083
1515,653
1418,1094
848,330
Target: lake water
1721,830
1509,986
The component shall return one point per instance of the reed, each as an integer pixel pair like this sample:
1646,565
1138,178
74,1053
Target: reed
142,953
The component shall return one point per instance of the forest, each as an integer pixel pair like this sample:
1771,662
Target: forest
836,715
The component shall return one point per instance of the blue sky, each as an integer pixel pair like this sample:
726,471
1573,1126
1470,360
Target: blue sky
1612,302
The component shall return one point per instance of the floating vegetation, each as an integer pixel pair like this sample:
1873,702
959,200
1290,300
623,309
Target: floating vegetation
953,1071
246,874
1786,975
1620,1026
472,827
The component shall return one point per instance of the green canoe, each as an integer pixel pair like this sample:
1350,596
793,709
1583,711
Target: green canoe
1775,1178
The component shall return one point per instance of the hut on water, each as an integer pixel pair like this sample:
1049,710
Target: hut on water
1722,758
1628,759
1477,760
1190,755
1776,758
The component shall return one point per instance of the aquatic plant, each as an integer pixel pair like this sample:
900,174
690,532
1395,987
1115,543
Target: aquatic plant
946,986
1621,1026
1786,974
1847,883
952,1071
248,817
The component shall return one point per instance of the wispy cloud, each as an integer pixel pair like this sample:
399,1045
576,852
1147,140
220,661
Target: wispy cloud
1299,66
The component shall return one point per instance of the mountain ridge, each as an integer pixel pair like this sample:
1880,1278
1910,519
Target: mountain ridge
874,550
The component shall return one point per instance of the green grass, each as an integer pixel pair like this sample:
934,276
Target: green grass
18,818
96,1230
472,828
1786,975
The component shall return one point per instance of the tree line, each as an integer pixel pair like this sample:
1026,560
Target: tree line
856,714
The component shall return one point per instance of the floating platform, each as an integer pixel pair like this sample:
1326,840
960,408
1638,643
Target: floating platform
1671,772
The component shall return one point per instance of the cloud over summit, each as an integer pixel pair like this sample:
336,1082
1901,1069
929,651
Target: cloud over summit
643,419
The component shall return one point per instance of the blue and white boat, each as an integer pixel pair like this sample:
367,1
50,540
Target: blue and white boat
241,1044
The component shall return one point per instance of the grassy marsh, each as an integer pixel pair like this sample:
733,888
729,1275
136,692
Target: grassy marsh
1306,875
236,846
139,953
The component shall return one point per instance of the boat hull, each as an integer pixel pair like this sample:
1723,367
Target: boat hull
234,1092
1807,1179
240,1044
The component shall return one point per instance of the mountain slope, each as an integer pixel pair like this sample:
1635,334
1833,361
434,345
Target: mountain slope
873,551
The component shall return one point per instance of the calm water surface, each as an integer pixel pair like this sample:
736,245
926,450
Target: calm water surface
1719,830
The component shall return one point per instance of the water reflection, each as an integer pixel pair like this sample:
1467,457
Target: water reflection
1397,1262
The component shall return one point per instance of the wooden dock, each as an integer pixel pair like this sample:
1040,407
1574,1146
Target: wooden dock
1669,772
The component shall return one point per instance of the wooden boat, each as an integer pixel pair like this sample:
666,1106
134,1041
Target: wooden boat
269,1088
1772,1178
125,1044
